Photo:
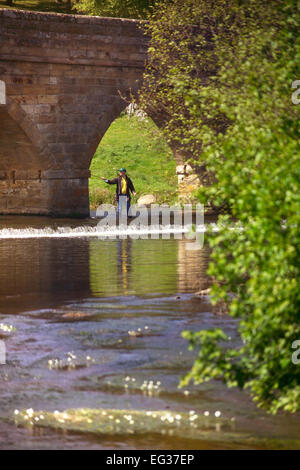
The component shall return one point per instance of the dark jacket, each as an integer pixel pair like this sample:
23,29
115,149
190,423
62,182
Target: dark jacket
118,182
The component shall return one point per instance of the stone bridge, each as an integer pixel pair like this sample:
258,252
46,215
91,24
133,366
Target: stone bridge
65,76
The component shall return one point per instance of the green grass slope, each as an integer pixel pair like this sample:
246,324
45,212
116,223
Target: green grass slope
138,146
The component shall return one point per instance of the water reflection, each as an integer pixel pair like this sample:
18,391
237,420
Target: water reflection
191,268
95,293
38,273
124,263
145,266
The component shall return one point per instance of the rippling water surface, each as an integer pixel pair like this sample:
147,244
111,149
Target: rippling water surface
95,322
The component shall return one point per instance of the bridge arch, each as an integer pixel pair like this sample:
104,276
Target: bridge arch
18,129
23,157
101,128
64,75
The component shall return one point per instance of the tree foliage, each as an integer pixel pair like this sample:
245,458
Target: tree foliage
110,8
116,8
221,73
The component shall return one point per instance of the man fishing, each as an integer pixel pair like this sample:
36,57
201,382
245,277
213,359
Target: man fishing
124,187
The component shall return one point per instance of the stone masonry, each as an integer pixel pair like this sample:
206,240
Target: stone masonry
65,78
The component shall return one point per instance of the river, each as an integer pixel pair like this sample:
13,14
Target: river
96,324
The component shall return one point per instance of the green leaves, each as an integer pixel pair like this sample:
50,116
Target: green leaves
228,103
116,8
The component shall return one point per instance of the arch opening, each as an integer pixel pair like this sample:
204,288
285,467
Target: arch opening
135,142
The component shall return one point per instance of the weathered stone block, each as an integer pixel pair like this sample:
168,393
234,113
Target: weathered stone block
47,99
15,203
3,203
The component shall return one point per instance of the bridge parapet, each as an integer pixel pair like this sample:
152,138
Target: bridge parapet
71,39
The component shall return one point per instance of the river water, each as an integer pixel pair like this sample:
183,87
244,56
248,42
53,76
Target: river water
95,321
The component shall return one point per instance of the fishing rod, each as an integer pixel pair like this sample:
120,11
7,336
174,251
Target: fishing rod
99,177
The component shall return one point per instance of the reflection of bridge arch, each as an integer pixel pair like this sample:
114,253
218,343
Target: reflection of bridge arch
64,75
36,277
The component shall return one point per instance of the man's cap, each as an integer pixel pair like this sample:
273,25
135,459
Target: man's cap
122,169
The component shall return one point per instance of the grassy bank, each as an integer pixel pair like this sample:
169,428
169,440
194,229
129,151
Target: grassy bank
138,146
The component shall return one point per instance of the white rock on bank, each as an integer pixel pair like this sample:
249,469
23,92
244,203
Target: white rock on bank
146,200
